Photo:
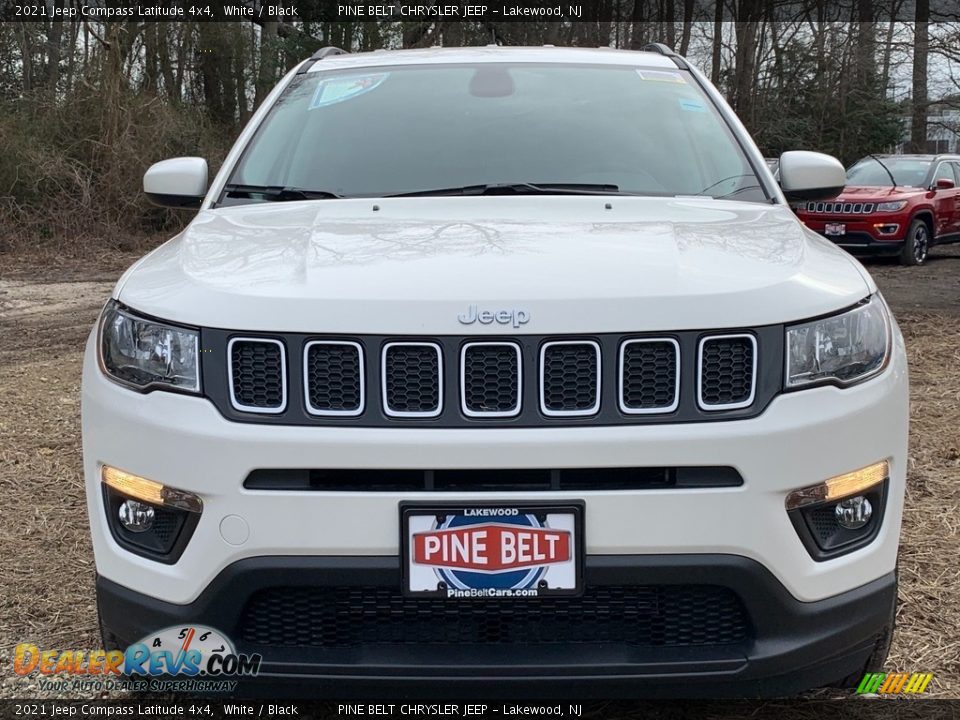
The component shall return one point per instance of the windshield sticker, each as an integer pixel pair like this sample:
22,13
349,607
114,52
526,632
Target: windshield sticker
692,104
662,76
338,89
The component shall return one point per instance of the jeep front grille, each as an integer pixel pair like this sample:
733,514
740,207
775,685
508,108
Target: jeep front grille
258,375
412,379
840,208
518,381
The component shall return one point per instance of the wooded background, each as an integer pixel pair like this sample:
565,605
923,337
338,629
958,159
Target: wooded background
86,106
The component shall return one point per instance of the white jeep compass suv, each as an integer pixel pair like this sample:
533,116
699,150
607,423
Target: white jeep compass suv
501,367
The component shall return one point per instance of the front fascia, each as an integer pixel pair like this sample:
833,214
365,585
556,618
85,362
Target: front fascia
802,438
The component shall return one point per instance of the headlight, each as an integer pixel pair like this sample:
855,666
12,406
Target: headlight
841,350
891,206
145,353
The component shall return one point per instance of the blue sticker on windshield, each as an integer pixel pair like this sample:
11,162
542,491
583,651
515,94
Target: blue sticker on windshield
692,104
337,89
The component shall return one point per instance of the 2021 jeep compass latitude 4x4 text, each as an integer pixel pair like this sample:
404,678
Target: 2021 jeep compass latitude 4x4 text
501,367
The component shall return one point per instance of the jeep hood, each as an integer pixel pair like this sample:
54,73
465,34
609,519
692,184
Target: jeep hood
879,193
576,264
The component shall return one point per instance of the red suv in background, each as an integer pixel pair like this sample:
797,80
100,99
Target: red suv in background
892,204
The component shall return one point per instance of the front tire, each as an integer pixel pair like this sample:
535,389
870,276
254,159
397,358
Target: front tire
916,245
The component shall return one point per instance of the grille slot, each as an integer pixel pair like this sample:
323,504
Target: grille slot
258,375
333,378
412,379
649,376
727,371
570,378
624,615
490,379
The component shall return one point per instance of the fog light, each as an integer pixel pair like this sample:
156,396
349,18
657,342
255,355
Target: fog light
136,516
853,513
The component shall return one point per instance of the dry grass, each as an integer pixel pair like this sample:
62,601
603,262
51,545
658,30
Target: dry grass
47,591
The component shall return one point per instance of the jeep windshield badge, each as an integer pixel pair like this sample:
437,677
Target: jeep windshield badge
513,316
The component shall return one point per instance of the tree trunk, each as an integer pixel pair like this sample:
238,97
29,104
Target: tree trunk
717,43
921,48
53,49
687,26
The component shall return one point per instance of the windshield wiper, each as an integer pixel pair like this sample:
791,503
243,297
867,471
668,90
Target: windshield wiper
519,189
279,192
880,162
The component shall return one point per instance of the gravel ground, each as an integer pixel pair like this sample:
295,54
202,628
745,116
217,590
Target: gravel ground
48,306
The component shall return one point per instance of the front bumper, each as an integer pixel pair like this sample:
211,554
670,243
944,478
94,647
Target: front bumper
800,439
863,235
787,646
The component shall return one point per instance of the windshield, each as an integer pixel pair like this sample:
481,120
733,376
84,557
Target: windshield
413,129
906,171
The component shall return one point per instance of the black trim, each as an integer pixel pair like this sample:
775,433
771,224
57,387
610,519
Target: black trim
138,545
180,202
850,539
770,352
794,645
491,480
320,55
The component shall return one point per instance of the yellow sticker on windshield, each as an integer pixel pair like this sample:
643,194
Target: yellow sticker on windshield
662,76
337,89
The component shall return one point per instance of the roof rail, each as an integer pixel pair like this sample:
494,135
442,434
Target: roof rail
320,55
668,51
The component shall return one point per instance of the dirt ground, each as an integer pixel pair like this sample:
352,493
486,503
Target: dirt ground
47,309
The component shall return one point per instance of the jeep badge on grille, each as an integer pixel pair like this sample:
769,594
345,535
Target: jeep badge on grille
513,316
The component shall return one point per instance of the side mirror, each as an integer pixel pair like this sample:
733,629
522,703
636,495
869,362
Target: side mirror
808,175
177,183
944,184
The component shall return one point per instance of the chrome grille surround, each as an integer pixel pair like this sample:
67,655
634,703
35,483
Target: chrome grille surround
385,388
325,412
621,377
592,410
700,372
243,407
464,404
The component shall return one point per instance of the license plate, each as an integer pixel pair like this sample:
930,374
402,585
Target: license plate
510,550
835,229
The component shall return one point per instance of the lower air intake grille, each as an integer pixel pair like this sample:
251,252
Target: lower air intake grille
491,379
412,384
334,377
257,374
649,382
652,616
570,378
727,371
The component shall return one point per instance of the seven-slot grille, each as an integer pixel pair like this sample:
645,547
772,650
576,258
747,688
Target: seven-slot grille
841,208
258,375
490,384
412,379
728,369
563,377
